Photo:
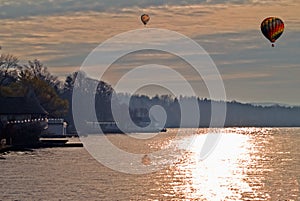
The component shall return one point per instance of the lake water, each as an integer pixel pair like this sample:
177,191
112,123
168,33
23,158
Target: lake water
247,164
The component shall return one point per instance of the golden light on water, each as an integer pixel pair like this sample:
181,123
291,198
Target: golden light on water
249,164
239,168
220,176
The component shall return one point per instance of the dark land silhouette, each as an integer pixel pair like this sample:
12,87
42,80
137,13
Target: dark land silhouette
55,97
238,114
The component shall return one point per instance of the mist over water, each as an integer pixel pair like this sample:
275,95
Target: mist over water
247,164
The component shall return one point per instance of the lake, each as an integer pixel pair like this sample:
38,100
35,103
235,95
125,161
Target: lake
247,164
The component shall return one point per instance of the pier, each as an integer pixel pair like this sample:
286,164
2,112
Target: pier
44,143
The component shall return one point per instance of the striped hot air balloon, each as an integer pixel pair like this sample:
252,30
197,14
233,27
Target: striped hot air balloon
272,28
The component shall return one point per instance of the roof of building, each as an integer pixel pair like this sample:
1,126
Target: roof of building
21,105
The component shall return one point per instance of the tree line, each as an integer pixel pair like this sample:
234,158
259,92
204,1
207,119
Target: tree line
55,97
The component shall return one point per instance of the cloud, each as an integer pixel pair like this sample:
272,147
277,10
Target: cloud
27,8
252,70
61,33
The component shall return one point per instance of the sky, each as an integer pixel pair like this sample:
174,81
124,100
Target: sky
61,33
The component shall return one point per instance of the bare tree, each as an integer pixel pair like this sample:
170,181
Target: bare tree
9,66
36,69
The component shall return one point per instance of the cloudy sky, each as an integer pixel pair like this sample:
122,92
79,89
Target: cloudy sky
61,33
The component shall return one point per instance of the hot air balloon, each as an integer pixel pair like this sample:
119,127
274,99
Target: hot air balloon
272,28
145,18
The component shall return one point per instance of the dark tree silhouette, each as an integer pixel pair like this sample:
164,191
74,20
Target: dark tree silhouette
18,80
36,69
8,69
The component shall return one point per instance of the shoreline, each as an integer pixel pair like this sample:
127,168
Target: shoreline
44,143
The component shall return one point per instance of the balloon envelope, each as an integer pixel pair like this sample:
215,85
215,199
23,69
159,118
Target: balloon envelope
145,18
272,28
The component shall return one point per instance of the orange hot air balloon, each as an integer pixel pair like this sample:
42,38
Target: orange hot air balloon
272,28
145,18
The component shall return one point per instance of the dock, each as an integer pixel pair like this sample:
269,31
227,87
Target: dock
44,143
58,142
5,148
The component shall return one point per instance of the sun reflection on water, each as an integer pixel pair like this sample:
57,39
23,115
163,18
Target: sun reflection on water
239,168
221,175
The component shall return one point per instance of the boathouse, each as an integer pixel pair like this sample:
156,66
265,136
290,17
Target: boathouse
20,116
